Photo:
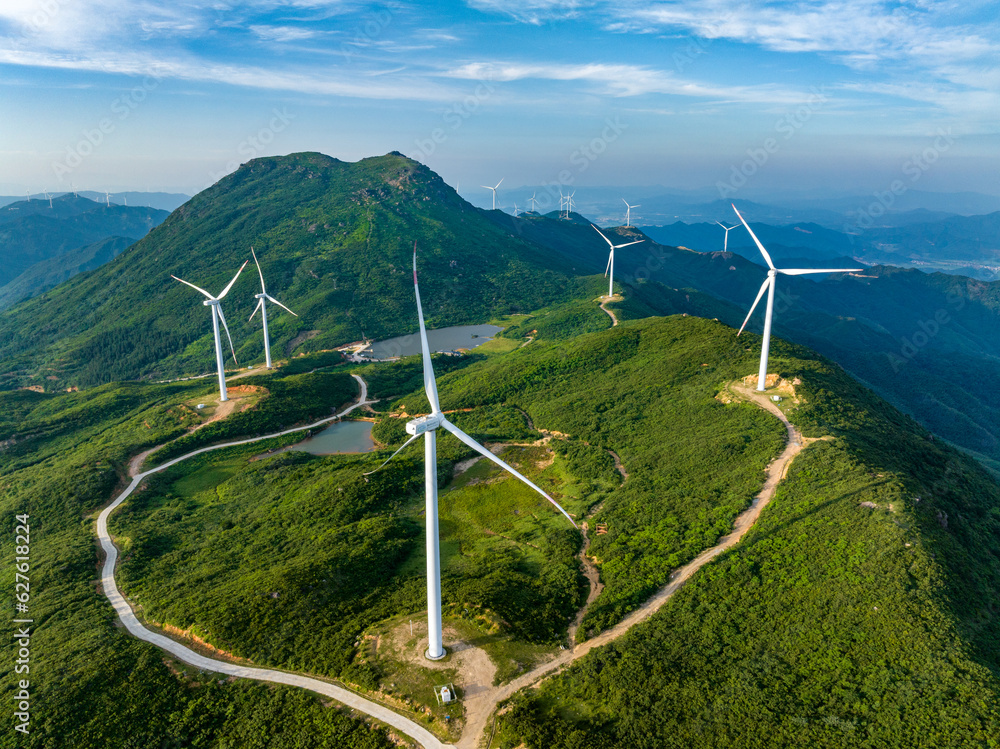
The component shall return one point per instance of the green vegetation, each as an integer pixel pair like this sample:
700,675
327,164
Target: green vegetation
335,241
859,611
290,400
93,685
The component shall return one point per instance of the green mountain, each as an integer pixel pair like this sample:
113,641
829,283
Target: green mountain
49,273
860,610
335,241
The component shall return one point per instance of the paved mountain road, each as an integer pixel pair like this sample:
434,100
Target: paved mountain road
480,706
128,618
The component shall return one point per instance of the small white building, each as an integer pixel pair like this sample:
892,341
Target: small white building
445,694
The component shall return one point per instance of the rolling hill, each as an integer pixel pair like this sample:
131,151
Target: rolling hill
335,240
35,232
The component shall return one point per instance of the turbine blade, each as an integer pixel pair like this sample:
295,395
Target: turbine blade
767,282
430,385
279,304
487,454
803,271
226,290
263,290
393,455
626,202
757,241
619,246
198,288
260,303
498,183
222,317
602,234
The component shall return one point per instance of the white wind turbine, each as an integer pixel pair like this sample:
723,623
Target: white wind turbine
725,242
494,189
628,212
264,297
534,203
427,426
215,303
570,204
107,196
515,209
610,270
769,287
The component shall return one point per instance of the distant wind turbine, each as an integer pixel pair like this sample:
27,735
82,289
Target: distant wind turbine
610,270
769,287
27,194
427,426
515,209
107,196
534,203
628,212
48,197
570,204
725,242
215,302
494,189
264,297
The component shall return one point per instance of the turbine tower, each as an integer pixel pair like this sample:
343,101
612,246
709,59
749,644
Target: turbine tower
768,286
610,270
628,212
494,189
428,426
264,297
215,302
725,242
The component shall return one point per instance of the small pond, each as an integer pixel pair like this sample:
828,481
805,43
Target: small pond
340,437
443,339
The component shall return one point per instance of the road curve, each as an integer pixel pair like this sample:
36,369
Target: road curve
381,713
479,709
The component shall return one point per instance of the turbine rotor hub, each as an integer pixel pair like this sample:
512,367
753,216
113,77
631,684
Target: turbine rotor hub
423,424
772,272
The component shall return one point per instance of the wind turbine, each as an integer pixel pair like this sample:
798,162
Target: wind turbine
215,302
628,212
515,209
570,204
494,189
107,196
428,426
263,296
725,242
533,202
610,270
769,287
48,197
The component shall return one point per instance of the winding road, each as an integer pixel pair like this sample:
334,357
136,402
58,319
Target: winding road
479,707
128,618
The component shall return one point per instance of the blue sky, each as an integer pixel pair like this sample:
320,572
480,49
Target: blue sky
835,95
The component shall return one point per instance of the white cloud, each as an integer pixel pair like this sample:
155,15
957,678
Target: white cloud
626,80
533,11
282,34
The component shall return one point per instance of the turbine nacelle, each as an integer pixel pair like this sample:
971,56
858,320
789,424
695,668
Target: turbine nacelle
424,424
211,303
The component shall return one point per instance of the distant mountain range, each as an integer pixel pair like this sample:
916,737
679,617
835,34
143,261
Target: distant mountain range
964,245
46,242
658,205
165,201
336,241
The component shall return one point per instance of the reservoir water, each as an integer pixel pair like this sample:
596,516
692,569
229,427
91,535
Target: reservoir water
443,339
341,437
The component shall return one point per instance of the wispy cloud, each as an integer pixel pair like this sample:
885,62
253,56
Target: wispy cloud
534,11
625,80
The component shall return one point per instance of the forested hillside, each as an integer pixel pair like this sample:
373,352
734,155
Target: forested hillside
335,241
